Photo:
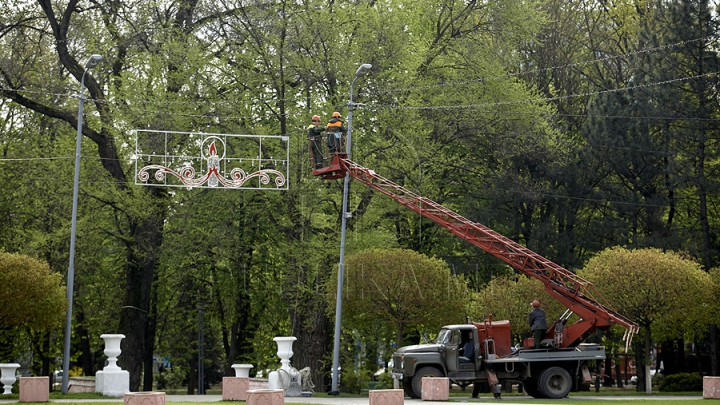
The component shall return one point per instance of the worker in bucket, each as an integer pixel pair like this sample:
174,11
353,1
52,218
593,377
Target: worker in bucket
335,133
315,139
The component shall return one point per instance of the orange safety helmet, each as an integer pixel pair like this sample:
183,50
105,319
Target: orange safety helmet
316,118
336,114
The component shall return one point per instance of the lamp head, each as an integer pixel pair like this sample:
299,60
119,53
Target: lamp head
364,68
93,61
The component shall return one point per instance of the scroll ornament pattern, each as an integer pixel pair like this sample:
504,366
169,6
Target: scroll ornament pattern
213,178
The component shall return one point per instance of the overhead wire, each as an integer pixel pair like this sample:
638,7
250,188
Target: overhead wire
473,106
544,99
430,86
465,106
547,69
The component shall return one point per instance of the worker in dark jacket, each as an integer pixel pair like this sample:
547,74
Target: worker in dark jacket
538,324
315,139
335,133
468,350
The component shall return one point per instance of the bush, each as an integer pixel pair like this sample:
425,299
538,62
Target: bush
681,382
354,381
171,380
385,381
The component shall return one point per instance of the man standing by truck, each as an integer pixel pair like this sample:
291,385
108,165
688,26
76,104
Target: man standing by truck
538,324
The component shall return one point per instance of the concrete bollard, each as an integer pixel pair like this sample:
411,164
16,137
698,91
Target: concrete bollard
386,397
34,389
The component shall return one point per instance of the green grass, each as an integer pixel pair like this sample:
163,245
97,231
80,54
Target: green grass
60,395
565,401
456,395
579,401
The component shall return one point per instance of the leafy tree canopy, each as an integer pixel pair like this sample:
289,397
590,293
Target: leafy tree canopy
401,289
509,297
30,294
664,292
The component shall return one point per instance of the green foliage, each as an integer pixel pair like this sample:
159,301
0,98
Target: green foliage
171,380
681,382
385,381
30,294
400,291
354,381
663,291
509,298
477,105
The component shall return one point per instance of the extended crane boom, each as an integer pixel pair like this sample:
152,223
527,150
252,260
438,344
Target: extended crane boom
576,293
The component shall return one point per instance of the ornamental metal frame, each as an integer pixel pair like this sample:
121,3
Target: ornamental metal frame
210,160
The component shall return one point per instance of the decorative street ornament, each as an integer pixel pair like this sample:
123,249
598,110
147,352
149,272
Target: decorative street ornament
201,160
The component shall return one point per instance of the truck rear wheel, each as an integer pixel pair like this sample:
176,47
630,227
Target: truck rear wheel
417,380
554,382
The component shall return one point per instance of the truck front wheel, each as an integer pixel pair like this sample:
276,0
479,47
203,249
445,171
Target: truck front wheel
417,380
554,382
407,387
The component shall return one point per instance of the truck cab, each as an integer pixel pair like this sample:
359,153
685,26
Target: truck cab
442,358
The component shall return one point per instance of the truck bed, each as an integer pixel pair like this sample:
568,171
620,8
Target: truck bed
582,352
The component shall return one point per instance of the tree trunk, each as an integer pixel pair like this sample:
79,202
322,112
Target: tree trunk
399,336
139,275
150,340
714,362
86,353
608,370
192,375
311,344
648,363
640,366
237,338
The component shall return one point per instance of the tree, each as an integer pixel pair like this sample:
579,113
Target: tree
32,298
509,297
407,292
666,293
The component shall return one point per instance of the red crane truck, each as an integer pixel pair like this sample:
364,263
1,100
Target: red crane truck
552,371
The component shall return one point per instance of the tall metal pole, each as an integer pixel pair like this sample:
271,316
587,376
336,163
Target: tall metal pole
345,215
201,351
91,63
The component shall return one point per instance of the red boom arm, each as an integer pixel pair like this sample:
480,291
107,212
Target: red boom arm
577,294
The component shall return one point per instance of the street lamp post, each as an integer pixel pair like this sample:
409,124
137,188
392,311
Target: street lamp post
362,70
91,63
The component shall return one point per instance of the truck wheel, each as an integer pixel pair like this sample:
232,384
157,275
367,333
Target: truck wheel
417,379
530,386
407,388
555,382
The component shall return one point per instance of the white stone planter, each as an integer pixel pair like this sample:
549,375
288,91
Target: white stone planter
112,381
285,350
7,376
112,350
282,378
242,370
